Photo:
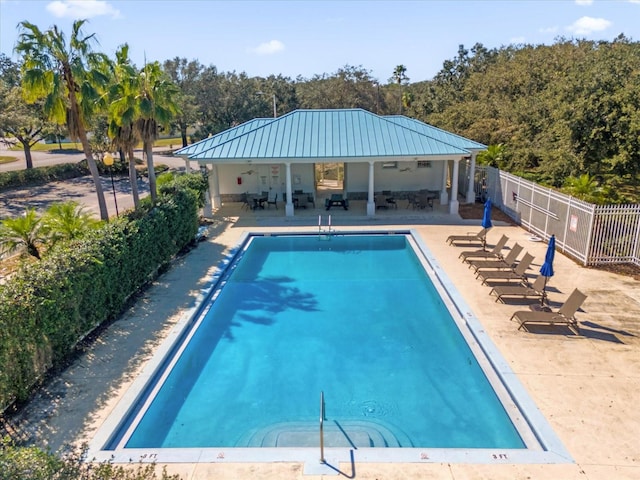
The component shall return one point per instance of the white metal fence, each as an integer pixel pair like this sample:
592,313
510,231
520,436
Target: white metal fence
592,234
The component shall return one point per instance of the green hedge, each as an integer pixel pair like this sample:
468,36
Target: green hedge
32,463
42,175
49,306
63,171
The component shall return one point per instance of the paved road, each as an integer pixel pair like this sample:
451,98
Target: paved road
14,202
43,159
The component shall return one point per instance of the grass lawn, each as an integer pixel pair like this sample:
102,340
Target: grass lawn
47,147
174,142
7,159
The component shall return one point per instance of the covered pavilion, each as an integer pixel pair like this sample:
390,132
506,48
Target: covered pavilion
380,153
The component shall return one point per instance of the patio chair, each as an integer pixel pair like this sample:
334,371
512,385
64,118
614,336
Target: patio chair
412,200
246,202
299,201
495,252
501,263
311,200
423,201
380,202
518,272
564,316
469,238
389,199
526,290
273,202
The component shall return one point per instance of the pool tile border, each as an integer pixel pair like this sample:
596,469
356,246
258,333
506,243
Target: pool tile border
552,451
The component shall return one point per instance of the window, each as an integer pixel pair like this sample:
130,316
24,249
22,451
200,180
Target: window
424,164
390,165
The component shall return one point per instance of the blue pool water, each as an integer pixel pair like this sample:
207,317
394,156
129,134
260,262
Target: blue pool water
355,317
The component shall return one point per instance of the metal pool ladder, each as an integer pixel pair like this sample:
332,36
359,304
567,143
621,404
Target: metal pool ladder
322,460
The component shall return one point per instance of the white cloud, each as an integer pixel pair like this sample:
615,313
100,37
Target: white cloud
584,2
588,25
553,29
77,9
268,48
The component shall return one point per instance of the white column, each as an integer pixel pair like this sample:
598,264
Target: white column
371,204
207,210
214,186
453,203
288,207
187,165
471,194
444,199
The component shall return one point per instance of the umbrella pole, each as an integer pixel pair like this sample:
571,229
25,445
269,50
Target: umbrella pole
544,291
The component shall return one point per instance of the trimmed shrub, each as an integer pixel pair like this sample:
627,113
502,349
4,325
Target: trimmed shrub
42,175
50,305
32,463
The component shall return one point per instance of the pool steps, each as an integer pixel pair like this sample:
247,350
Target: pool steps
347,434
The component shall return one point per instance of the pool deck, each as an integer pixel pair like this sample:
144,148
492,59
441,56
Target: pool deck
587,386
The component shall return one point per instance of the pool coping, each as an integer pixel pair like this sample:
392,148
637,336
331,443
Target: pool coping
552,451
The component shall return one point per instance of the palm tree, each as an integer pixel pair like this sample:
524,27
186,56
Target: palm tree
67,221
23,232
69,77
492,156
156,106
122,113
400,77
587,188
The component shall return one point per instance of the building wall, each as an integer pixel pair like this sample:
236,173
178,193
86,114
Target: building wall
403,177
406,177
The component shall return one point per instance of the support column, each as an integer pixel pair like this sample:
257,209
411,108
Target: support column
207,209
444,199
187,165
288,207
214,186
453,203
371,204
471,192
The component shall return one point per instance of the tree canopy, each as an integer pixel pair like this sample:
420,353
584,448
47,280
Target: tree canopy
555,111
559,111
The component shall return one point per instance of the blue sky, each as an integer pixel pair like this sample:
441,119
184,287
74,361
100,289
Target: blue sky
305,38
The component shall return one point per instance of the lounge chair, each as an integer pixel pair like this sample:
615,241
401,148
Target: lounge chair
525,290
469,238
564,316
519,272
495,252
507,262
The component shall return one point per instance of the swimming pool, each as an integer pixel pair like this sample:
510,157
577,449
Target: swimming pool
369,320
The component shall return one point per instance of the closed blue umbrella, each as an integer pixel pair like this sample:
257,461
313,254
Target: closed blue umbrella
486,220
547,267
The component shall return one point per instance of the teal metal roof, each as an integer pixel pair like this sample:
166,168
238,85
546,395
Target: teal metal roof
221,137
323,134
437,133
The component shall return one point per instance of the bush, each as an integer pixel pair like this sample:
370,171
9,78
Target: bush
42,175
31,463
50,305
